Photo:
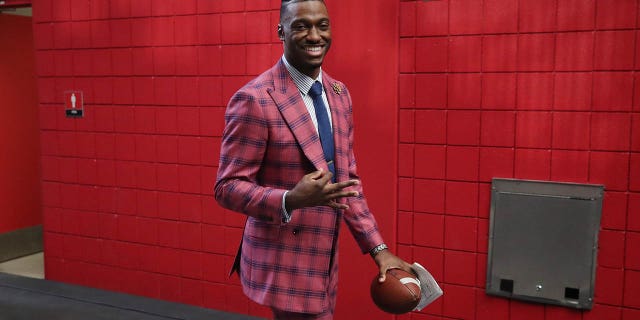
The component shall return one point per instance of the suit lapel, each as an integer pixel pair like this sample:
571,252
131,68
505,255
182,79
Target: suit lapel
287,98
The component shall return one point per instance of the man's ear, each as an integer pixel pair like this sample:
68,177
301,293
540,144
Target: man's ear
280,32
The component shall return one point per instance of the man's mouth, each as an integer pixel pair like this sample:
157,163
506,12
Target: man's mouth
313,49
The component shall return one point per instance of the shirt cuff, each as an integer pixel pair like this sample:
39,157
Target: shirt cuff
286,216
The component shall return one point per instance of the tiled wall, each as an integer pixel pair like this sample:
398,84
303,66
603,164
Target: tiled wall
127,189
128,202
493,88
544,90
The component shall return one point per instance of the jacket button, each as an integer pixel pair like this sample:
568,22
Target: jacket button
295,231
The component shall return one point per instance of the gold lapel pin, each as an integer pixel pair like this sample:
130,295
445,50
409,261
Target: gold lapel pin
336,88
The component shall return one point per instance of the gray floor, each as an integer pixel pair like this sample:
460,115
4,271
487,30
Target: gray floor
24,295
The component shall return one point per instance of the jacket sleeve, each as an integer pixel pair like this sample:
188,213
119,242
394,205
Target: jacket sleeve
243,147
359,219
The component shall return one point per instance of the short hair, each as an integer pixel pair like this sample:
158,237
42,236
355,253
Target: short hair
287,2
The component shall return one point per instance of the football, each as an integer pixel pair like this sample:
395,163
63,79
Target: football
399,293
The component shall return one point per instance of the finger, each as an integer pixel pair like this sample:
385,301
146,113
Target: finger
324,177
346,184
383,275
328,176
337,205
343,194
316,174
340,186
408,267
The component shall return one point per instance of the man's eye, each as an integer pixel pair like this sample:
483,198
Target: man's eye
299,27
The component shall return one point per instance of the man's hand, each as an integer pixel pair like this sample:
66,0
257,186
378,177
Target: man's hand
316,189
387,260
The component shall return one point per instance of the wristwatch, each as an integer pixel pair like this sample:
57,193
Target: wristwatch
377,249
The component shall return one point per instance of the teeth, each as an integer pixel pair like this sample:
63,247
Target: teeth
314,49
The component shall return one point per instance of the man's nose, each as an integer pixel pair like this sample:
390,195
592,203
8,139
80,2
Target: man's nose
314,34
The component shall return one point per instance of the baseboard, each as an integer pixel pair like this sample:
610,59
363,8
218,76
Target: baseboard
21,242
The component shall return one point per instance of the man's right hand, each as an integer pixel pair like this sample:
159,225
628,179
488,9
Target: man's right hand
316,189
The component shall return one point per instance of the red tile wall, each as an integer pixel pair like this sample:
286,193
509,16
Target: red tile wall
127,190
543,90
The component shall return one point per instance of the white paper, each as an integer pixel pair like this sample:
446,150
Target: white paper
429,288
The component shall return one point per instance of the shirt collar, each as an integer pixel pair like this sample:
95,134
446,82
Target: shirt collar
302,81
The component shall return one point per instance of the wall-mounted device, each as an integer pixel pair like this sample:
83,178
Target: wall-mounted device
543,240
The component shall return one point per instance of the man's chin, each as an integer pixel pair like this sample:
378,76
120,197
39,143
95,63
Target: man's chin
308,64
315,62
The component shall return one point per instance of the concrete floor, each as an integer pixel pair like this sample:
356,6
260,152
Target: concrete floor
31,266
25,295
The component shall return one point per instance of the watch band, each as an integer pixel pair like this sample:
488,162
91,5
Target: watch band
377,249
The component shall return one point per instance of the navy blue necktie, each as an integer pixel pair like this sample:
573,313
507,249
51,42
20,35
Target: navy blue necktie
324,127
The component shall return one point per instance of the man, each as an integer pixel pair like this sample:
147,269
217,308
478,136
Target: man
287,163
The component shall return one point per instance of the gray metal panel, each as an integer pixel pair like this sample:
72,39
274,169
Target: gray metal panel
543,240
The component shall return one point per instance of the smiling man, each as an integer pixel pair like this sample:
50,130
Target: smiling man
305,30
287,163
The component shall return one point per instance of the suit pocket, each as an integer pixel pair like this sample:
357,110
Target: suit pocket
262,230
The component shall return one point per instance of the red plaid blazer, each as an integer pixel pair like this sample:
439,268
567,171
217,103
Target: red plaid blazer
268,144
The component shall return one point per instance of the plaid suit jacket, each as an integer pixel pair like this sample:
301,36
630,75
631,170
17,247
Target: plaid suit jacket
269,143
